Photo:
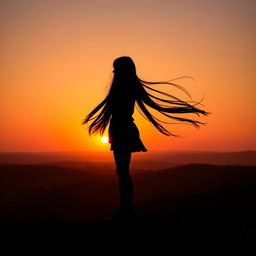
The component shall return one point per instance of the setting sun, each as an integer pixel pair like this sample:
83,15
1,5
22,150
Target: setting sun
104,139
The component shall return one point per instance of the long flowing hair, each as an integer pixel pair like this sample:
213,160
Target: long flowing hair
125,73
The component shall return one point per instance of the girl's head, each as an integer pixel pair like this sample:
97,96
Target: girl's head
124,66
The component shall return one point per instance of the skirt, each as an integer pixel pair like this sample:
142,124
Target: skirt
125,137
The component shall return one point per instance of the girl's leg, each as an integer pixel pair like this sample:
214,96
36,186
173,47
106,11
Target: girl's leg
122,160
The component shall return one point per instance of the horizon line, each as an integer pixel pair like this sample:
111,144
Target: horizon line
97,151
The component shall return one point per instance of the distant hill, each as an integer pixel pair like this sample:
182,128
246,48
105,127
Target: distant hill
140,160
34,192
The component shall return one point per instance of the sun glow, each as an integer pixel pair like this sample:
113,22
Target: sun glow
104,139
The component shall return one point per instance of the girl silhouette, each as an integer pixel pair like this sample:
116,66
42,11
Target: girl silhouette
117,109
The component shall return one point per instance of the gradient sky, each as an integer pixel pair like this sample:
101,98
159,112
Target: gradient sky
56,64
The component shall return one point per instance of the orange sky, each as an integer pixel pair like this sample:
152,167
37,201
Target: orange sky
57,62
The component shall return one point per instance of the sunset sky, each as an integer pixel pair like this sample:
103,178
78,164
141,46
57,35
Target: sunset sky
56,66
